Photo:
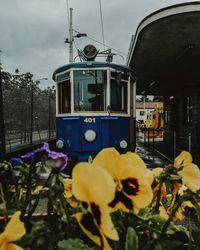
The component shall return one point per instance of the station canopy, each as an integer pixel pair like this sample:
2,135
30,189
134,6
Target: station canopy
165,51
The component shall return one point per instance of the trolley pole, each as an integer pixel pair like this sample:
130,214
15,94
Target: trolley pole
2,125
70,36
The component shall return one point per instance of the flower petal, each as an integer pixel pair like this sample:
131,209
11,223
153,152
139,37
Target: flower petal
144,195
109,159
67,188
87,224
108,227
148,175
191,177
184,158
163,213
15,229
157,171
104,222
134,160
12,246
92,184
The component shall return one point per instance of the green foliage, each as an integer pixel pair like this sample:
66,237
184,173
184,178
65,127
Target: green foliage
73,244
131,239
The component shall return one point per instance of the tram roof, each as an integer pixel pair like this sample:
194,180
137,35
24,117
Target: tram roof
165,51
90,64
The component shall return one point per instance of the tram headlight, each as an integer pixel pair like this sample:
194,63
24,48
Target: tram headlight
59,144
123,144
90,135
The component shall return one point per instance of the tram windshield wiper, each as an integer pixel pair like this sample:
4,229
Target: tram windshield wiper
108,109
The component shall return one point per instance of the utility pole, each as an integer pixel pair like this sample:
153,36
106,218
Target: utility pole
49,99
2,125
32,100
70,40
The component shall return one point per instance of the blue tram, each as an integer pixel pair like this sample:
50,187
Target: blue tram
95,108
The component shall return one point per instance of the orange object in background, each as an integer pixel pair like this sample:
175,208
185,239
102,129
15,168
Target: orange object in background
161,134
154,134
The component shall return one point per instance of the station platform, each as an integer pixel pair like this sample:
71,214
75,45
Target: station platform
155,152
158,151
151,158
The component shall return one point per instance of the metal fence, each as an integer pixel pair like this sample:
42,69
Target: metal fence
29,111
21,139
171,147
182,143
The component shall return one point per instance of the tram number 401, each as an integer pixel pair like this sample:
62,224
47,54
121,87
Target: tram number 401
89,120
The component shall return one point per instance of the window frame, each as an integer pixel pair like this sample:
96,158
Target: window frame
57,92
104,91
107,94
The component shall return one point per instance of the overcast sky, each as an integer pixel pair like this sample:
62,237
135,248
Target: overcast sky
33,31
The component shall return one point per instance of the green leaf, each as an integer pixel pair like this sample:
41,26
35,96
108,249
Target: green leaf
73,244
131,239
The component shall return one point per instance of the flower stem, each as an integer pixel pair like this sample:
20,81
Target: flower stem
170,217
39,195
196,205
29,186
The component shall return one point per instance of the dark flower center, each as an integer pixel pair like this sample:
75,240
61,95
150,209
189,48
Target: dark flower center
121,197
88,222
130,186
96,212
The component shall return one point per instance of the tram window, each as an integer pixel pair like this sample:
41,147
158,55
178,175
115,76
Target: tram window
122,75
118,98
64,97
90,90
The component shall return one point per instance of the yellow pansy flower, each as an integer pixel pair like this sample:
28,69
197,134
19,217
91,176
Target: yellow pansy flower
133,190
136,161
67,188
90,228
179,215
183,159
163,212
92,184
191,177
95,188
157,172
14,231
68,192
148,175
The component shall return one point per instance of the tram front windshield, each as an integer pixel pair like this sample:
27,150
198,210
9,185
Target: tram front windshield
90,90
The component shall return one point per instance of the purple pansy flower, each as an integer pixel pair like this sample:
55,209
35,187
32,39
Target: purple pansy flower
57,160
37,154
15,161
54,159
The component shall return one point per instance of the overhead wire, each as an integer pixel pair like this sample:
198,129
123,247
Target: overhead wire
102,43
102,29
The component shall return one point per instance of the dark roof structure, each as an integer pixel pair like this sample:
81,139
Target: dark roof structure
165,51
